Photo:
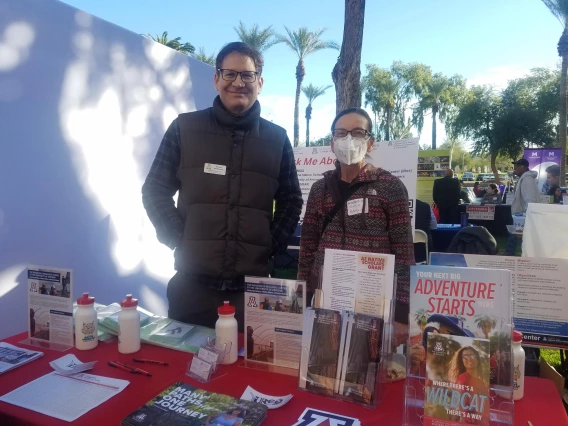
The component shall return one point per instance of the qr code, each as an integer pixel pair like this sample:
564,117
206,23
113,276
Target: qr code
411,208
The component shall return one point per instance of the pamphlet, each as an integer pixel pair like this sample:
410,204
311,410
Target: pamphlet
273,321
70,364
50,303
12,356
271,402
358,281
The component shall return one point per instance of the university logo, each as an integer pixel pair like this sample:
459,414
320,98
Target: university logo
315,151
252,302
438,349
33,287
313,417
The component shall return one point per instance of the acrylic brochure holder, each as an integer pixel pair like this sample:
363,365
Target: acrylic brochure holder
205,361
345,355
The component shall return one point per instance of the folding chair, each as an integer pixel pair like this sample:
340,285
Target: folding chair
420,237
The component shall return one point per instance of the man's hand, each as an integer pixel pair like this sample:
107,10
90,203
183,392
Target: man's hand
400,334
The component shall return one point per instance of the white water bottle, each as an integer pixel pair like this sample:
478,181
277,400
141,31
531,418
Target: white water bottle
518,366
226,332
128,326
86,336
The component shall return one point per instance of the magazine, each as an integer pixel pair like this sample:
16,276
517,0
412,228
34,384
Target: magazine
183,404
12,356
274,311
318,367
457,385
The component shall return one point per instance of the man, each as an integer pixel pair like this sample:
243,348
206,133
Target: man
464,194
446,194
229,166
526,191
552,178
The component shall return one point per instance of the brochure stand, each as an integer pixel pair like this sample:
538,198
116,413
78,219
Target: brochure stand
204,363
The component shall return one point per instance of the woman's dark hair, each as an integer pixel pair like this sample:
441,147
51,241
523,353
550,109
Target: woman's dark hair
359,111
242,49
553,189
242,411
494,187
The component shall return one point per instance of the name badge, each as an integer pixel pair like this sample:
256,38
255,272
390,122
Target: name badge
215,169
356,207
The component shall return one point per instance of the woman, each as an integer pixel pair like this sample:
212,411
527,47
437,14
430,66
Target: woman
556,192
234,417
464,369
493,195
371,212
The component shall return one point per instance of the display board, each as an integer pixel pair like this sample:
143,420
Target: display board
541,158
432,165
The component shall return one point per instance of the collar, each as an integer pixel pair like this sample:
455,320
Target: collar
228,119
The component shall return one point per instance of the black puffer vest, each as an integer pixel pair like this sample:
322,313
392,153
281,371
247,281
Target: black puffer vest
227,214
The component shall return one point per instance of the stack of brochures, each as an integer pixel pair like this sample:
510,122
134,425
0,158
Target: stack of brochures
341,354
185,404
12,356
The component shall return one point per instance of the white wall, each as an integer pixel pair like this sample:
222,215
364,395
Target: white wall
83,107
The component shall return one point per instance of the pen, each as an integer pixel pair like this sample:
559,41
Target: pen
122,367
150,361
136,370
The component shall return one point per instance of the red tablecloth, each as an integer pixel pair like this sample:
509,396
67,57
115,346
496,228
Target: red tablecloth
541,404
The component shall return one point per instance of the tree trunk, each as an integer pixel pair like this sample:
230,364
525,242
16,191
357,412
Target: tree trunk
562,118
389,118
494,166
434,112
300,74
346,74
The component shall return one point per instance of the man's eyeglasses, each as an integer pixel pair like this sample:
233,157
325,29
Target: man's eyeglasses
246,76
356,133
468,356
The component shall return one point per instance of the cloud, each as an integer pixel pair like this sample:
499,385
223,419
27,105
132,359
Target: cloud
498,76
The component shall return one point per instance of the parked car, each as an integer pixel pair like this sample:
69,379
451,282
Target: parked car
468,177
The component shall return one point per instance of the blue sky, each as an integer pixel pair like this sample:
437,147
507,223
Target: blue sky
486,41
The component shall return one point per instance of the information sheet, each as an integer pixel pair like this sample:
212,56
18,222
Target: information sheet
274,311
76,394
481,212
50,303
357,281
540,293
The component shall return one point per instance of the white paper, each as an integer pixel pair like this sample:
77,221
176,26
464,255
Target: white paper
12,356
70,364
357,281
200,368
215,169
208,355
356,206
65,397
271,402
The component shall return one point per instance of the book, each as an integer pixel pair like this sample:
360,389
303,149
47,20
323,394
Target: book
12,356
318,367
457,384
183,404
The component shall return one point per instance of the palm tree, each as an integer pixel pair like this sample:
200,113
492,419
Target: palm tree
381,91
259,39
204,57
421,318
559,8
312,92
303,42
175,43
439,96
486,324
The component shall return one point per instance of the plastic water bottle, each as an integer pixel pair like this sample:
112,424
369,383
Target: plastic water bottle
518,366
128,326
86,336
226,332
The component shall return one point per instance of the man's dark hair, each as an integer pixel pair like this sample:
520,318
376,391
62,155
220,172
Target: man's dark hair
242,49
359,111
554,170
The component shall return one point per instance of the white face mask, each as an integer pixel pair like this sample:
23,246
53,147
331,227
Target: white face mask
350,150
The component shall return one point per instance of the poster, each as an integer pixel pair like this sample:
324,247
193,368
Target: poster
540,159
432,165
50,304
397,157
274,312
539,289
480,212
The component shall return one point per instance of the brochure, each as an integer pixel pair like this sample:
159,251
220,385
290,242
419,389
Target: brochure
273,321
12,356
50,303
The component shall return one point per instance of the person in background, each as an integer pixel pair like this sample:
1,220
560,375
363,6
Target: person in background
526,191
250,342
228,166
552,178
464,194
556,192
372,213
479,193
493,195
446,194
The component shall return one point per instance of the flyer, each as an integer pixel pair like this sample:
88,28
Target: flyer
357,281
274,311
540,293
50,303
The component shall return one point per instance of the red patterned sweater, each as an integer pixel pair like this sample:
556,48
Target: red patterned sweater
385,228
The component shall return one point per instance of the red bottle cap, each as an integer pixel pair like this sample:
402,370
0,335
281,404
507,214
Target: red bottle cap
85,299
226,309
129,302
517,336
